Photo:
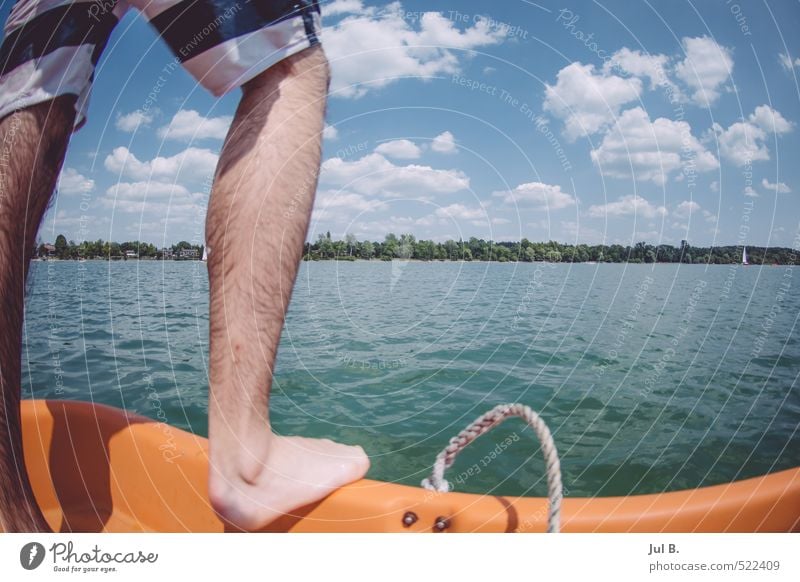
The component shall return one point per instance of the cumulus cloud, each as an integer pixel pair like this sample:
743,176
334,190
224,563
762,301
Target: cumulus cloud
587,100
770,120
537,194
347,201
650,150
130,122
778,187
189,125
686,208
627,205
330,132
401,149
191,164
374,174
338,7
741,143
462,212
152,197
706,68
750,191
370,48
70,181
642,65
444,143
745,141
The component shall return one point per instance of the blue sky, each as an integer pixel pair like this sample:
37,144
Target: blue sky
577,122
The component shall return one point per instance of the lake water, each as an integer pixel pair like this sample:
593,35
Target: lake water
651,377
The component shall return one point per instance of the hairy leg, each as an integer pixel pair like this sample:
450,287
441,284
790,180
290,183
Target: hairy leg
34,141
256,226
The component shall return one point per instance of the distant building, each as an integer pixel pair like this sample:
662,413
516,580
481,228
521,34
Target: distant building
49,250
188,254
167,254
131,255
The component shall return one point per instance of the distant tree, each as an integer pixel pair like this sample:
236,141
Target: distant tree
351,243
62,247
367,250
529,255
405,248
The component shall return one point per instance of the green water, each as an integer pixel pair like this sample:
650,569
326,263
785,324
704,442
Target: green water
652,378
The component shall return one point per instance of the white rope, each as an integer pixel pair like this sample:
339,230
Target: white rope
481,425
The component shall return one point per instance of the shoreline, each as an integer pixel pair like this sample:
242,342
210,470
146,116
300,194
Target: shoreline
433,261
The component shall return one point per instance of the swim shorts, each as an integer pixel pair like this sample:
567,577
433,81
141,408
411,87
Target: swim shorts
51,47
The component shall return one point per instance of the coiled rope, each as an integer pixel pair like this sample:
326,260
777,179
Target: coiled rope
483,424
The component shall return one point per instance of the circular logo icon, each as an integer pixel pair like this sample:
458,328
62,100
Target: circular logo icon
31,555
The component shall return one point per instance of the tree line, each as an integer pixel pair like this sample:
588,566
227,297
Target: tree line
406,246
70,250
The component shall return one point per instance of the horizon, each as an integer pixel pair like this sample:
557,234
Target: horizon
793,249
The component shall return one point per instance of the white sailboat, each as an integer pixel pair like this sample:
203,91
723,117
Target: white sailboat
205,253
744,256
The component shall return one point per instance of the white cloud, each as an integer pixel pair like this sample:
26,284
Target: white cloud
778,187
787,63
142,190
444,143
686,208
153,197
330,132
650,150
70,181
371,48
130,122
375,175
462,212
745,141
770,120
401,149
627,205
588,101
348,202
539,194
749,191
189,125
741,143
638,64
714,186
192,163
343,7
707,66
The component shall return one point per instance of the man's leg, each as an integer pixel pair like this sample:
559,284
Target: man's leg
256,226
34,141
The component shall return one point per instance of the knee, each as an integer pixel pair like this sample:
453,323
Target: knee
309,66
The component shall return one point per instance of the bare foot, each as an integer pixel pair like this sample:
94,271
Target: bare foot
295,471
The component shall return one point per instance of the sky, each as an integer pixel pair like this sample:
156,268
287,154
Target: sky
580,122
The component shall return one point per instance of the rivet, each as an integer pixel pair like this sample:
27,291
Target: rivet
409,518
441,523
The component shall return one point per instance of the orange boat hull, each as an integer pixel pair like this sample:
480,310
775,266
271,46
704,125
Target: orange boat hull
97,468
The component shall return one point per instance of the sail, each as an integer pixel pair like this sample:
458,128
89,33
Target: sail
205,253
744,256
